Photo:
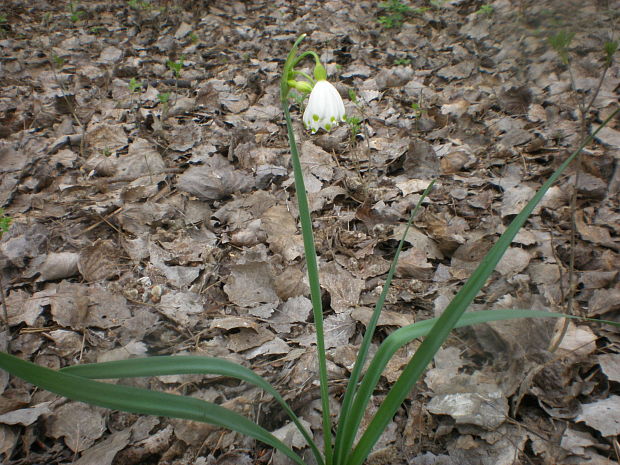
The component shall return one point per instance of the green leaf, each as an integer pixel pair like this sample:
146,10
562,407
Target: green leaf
345,434
179,365
407,334
450,317
142,401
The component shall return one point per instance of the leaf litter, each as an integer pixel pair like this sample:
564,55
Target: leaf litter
154,213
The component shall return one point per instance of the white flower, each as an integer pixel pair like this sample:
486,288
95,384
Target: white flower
325,107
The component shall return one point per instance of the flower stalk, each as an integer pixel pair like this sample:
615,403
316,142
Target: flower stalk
309,248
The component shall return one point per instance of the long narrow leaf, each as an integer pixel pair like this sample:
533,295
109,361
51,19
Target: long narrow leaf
178,365
345,436
142,401
407,334
309,249
313,279
453,312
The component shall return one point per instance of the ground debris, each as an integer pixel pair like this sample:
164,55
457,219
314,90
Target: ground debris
145,165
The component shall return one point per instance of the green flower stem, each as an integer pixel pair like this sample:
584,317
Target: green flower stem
309,249
287,72
313,278
303,55
305,75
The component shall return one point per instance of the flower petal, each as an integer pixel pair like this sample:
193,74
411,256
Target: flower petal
325,107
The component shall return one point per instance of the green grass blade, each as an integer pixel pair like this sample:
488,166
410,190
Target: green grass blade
453,312
345,436
407,334
313,279
179,365
142,401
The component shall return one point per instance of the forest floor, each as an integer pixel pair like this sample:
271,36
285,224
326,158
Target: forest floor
153,212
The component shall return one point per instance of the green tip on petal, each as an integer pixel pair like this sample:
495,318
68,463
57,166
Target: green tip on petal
319,72
328,127
332,119
315,117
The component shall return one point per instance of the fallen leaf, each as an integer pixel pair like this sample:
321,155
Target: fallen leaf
80,425
602,415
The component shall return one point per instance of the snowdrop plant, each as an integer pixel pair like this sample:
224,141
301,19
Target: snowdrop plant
77,382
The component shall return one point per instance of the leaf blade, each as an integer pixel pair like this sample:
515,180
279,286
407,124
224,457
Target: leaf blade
142,401
187,364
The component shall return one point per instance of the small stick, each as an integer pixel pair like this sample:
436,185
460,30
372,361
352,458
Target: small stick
6,314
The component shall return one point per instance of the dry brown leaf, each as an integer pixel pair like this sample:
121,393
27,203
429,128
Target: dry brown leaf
602,415
80,425
59,265
281,231
251,284
78,306
387,317
99,261
342,286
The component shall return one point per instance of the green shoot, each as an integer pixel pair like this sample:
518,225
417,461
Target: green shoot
418,111
176,66
140,5
58,61
485,10
163,97
76,13
560,43
353,96
5,222
355,126
402,61
396,11
135,85
610,47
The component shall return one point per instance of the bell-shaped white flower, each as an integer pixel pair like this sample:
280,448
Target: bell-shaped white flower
325,107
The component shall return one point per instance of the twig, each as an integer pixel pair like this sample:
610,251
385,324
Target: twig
583,120
6,314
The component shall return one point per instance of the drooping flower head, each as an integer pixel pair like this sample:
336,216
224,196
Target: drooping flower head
325,107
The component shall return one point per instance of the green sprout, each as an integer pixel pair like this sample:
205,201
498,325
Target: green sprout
3,20
355,125
58,61
135,85
402,61
485,10
353,96
610,48
417,110
396,11
560,43
163,97
76,13
175,66
140,5
5,222
193,37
